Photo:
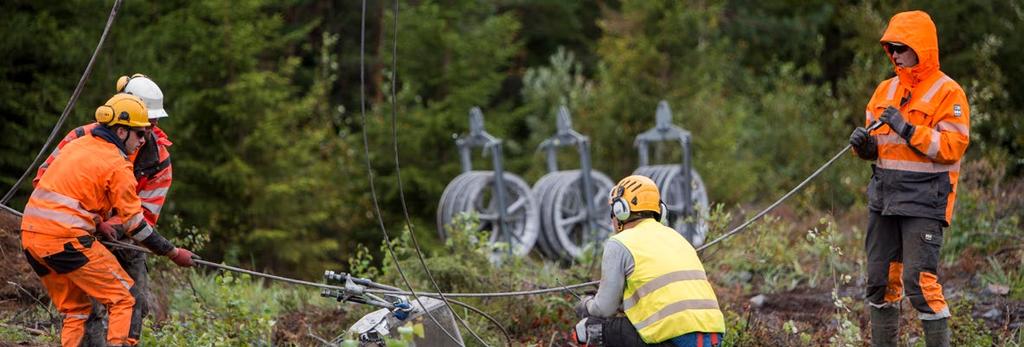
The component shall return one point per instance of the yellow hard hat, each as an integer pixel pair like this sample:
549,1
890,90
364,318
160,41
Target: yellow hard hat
634,194
123,109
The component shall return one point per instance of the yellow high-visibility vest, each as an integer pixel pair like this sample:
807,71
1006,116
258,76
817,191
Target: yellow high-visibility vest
668,293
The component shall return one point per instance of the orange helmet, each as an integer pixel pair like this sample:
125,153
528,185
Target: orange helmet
634,194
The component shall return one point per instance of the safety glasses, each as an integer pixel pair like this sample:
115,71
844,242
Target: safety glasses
896,49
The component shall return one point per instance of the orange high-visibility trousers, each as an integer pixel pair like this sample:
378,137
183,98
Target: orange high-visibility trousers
74,269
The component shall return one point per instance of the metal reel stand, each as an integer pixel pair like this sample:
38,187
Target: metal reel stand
502,200
573,203
687,216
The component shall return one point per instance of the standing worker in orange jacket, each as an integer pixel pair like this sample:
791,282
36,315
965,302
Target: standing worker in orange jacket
152,166
90,179
152,161
913,186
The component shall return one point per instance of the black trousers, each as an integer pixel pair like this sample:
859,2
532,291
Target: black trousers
903,259
619,332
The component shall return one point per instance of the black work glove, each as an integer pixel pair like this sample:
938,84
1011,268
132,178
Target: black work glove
864,144
894,119
581,307
859,137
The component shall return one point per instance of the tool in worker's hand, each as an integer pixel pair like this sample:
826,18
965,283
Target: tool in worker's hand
877,124
587,332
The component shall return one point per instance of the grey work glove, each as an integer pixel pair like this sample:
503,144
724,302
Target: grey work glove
865,145
581,307
892,117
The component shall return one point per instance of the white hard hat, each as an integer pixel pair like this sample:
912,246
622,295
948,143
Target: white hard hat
147,90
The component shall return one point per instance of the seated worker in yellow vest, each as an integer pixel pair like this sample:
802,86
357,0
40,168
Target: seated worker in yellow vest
653,275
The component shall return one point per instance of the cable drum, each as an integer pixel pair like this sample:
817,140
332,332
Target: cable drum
453,199
670,184
474,192
566,227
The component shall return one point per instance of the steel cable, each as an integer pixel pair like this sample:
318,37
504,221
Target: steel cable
872,126
119,244
777,202
731,233
381,288
401,188
67,108
388,290
369,173
88,70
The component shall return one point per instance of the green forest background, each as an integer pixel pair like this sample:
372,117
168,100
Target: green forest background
264,99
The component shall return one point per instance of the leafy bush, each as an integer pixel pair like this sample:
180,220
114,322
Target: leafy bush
965,330
989,210
223,310
773,255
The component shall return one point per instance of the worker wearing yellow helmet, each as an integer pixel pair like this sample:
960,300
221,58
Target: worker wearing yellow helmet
650,274
91,180
151,163
152,166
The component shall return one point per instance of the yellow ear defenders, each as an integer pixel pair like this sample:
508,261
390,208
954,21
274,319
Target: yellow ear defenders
123,109
122,81
635,194
105,114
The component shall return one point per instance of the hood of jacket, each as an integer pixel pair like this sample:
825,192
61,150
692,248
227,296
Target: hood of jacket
914,29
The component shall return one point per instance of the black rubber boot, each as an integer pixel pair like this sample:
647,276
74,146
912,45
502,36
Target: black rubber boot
885,324
936,332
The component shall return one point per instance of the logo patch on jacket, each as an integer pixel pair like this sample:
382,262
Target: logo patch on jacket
957,111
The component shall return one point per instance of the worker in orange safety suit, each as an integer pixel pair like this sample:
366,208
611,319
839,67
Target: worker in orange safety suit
152,166
92,178
916,154
152,161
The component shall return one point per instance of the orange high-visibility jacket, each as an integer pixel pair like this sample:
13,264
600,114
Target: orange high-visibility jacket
91,178
151,163
918,178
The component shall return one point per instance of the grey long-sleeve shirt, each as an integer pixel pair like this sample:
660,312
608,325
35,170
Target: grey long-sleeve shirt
616,264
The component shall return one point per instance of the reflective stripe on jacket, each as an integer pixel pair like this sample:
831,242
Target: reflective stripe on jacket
667,294
90,178
918,178
151,165
153,171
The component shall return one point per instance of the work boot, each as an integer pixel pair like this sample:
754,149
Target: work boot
885,323
936,332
